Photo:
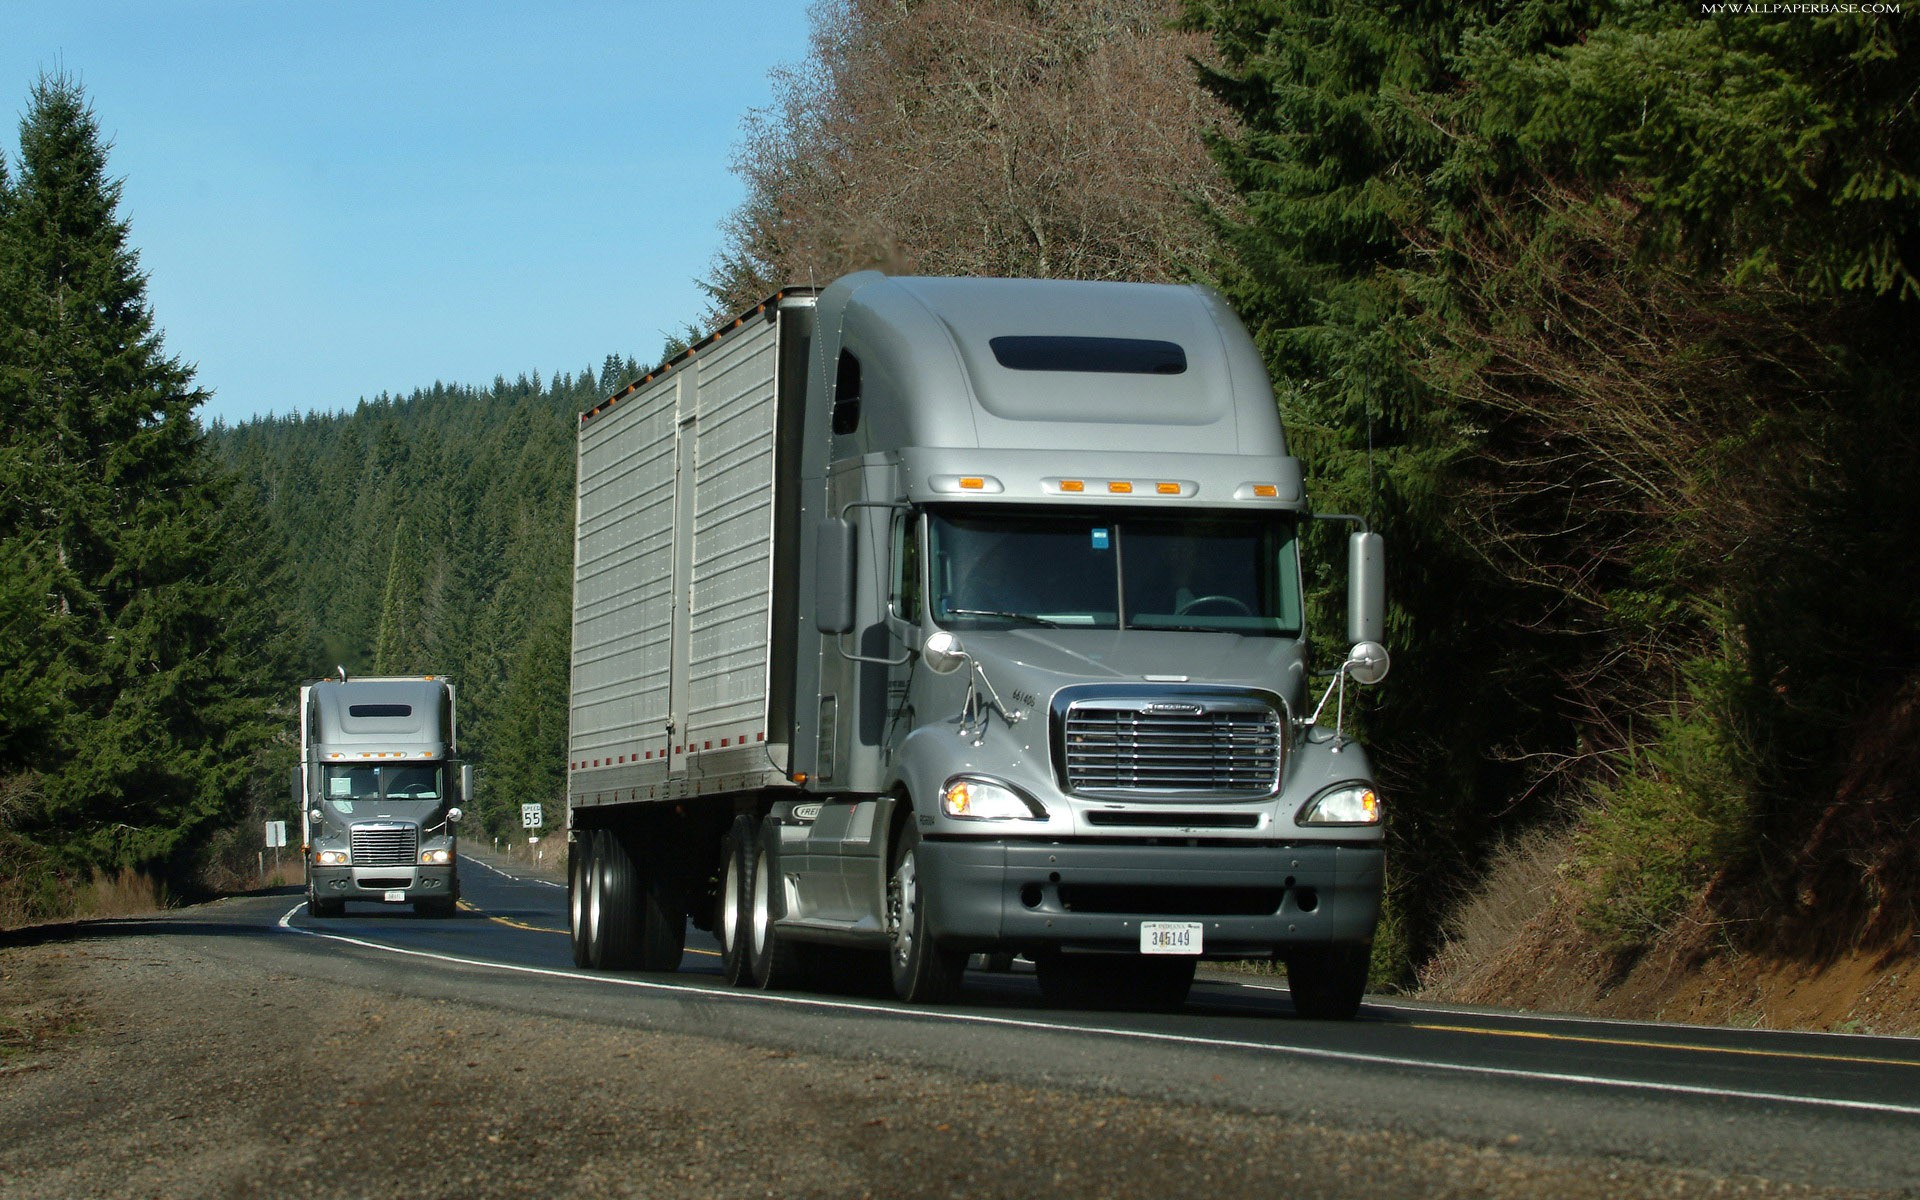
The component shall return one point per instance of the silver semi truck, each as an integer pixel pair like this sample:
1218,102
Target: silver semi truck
920,618
379,794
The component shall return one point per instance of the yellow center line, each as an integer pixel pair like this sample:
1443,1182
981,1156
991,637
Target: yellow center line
1653,1045
561,932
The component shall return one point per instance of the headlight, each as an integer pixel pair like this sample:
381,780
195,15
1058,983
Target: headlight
332,858
974,799
1347,804
436,858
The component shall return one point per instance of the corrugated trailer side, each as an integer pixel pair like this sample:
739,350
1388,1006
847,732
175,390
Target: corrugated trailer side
674,590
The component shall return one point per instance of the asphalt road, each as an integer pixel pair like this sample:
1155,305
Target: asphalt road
1821,1109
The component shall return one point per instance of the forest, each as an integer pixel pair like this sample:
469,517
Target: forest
1602,312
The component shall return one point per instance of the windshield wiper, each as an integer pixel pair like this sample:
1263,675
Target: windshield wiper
1028,618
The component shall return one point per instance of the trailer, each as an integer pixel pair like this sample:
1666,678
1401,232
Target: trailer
379,789
922,618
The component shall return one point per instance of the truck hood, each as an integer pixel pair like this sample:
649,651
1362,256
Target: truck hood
1040,661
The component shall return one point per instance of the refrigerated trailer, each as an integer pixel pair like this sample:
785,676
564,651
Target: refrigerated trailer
920,618
378,790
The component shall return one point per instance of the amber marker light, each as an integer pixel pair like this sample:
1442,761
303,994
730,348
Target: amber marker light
1265,491
973,483
1072,485
1120,487
1167,489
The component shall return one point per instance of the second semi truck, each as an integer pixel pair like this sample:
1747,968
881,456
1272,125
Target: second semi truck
378,793
928,617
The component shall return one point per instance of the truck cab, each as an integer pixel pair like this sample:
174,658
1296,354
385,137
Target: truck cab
379,791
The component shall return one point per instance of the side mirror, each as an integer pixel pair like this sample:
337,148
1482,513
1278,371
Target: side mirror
466,784
454,814
1366,588
1367,663
943,653
833,577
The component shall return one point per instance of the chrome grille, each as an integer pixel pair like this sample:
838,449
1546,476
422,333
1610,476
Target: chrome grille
394,845
1215,749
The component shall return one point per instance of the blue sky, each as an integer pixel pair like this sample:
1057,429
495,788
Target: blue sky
337,199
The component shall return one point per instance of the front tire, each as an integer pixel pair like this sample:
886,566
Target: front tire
922,972
1327,982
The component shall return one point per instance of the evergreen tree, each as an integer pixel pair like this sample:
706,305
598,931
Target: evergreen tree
148,642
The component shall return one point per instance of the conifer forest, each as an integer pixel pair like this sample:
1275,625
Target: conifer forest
1604,313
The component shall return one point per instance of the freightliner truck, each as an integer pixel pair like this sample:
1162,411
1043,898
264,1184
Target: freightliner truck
379,794
921,618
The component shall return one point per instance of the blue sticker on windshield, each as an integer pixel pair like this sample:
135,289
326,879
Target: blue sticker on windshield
1099,539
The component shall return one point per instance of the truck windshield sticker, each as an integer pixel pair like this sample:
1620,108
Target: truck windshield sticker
1100,539
340,785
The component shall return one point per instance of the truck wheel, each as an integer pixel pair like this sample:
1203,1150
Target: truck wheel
1124,982
662,917
923,973
325,908
775,961
732,911
1327,982
577,858
612,919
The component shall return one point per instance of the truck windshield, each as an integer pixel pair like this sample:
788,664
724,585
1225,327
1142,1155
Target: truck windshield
382,781
1103,569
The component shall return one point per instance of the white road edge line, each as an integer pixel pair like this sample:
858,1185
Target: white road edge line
516,878
1602,1081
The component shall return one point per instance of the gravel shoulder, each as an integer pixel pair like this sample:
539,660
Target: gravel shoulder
179,1066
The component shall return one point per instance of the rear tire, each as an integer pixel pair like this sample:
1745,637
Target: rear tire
922,972
1328,982
662,920
733,909
775,961
578,855
613,941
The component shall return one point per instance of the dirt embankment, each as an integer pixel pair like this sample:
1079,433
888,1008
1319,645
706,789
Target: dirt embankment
1518,944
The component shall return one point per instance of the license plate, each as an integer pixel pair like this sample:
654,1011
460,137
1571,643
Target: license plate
1171,937
396,897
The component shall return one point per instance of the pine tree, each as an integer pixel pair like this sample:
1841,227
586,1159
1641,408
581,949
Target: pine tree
152,649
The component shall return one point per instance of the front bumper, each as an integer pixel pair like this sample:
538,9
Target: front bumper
380,883
1251,900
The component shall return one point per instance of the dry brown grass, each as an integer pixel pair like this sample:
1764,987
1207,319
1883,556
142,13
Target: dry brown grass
1489,925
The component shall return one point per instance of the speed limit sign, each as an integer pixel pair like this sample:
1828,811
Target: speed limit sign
531,816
